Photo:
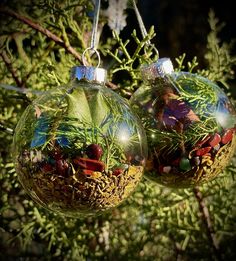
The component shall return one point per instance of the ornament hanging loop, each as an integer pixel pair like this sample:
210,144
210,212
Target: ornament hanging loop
93,50
93,43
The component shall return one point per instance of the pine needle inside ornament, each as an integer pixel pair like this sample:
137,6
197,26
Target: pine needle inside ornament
190,124
79,149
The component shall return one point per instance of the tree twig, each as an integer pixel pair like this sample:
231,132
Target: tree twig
10,68
207,221
50,35
112,85
178,249
43,30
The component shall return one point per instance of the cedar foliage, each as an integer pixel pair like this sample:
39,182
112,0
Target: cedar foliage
156,223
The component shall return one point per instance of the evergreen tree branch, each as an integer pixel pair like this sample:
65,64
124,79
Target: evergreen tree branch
178,249
36,64
11,69
207,221
50,35
44,31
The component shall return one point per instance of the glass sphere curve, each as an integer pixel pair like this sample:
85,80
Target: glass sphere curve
190,126
79,149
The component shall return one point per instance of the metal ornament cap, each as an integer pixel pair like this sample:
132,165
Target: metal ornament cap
89,73
160,68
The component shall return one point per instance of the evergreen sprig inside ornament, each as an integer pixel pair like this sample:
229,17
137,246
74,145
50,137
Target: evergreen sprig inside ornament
190,124
79,149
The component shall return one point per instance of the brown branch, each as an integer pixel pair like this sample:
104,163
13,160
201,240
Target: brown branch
50,35
112,85
43,30
178,249
207,221
10,68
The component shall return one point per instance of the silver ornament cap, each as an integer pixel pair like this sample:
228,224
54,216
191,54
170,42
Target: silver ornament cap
89,73
161,68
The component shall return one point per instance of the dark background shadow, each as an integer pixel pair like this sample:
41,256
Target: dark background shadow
182,26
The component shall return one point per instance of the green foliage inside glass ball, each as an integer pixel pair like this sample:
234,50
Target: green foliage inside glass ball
190,125
79,149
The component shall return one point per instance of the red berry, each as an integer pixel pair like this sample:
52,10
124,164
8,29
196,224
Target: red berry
87,172
90,164
214,140
160,168
62,167
203,151
176,162
47,168
117,171
94,151
227,136
57,155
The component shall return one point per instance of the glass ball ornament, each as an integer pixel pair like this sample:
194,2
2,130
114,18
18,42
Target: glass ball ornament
79,149
190,126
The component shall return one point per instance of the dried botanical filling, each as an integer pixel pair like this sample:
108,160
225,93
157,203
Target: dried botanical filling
66,185
203,164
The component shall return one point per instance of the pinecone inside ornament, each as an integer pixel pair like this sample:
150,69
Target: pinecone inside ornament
79,149
190,125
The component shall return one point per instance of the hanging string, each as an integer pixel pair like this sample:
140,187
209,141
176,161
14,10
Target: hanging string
95,24
142,27
94,34
140,22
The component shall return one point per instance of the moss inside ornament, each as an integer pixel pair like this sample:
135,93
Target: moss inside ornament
190,125
79,149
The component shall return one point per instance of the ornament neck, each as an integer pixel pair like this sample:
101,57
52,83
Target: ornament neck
160,69
89,73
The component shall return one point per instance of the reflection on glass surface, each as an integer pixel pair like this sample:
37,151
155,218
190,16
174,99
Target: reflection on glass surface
79,149
190,124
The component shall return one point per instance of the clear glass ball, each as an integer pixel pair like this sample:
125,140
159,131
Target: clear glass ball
190,126
79,149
